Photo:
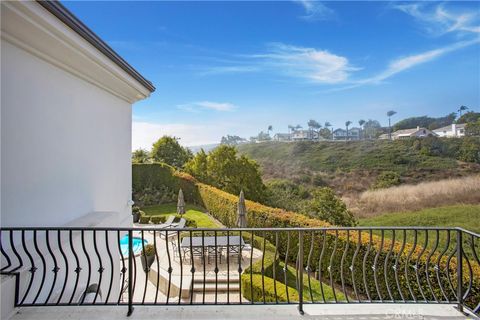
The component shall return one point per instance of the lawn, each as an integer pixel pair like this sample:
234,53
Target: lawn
464,216
202,219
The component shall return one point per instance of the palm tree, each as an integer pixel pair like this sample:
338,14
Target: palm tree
389,115
462,108
270,128
290,128
312,125
328,124
361,123
346,125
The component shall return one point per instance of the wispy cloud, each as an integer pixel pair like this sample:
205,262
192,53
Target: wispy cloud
314,65
207,105
405,63
438,19
315,11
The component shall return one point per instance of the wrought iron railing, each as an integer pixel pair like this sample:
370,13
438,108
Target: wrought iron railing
153,266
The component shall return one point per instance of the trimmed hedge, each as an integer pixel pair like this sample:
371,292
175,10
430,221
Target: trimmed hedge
256,293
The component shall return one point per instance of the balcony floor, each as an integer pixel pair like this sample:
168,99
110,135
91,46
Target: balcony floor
357,312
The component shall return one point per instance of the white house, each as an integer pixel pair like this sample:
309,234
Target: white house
282,137
413,133
304,135
452,131
341,134
66,114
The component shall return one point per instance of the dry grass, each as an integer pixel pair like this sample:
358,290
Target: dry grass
464,190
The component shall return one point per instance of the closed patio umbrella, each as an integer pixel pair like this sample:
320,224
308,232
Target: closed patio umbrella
241,211
180,203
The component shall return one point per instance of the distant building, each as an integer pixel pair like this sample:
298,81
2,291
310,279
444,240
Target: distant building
452,131
304,135
341,134
383,136
282,137
413,133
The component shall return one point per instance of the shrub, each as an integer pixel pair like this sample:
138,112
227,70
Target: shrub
253,290
327,206
387,179
158,219
144,219
148,250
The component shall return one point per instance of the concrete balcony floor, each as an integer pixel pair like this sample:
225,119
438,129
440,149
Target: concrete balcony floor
277,312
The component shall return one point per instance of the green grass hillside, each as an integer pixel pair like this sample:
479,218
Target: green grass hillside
352,167
465,216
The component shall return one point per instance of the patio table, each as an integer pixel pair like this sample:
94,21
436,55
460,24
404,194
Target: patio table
222,242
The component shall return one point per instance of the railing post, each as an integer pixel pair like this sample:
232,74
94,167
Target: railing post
130,273
459,271
300,272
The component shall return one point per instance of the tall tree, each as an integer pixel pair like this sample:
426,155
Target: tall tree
270,128
313,125
327,125
461,109
361,123
168,150
290,128
390,114
346,125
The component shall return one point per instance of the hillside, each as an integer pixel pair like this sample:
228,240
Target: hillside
352,167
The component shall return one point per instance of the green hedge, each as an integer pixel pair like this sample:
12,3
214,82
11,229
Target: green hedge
265,291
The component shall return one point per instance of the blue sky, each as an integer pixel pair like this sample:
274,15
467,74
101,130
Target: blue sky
236,67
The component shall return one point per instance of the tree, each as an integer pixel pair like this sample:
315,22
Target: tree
298,127
263,136
198,166
390,114
232,140
473,129
461,109
346,125
469,117
325,205
140,156
361,123
327,125
290,128
313,125
372,128
270,128
168,150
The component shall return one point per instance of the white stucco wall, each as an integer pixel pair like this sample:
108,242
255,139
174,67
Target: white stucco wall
65,144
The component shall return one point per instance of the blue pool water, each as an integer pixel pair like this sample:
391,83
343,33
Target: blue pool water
137,245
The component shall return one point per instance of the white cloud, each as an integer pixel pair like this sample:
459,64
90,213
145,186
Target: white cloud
439,20
319,66
144,134
315,10
402,64
207,105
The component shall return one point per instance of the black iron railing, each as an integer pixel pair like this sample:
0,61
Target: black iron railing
153,266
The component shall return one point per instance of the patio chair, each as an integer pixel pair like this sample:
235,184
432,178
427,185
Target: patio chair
235,251
214,252
196,252
181,224
169,220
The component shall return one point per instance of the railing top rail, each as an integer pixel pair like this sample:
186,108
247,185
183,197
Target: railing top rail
153,227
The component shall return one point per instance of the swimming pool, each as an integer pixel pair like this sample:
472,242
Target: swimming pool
136,242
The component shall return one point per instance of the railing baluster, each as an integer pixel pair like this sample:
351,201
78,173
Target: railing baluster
300,272
123,270
263,266
407,264
285,267
100,269
110,284
345,249
169,270
181,266
55,266
275,263
131,260
32,270
417,267
312,238
320,260
459,271
240,270
395,267
251,267
143,255
364,266
427,266
216,269
204,267
385,266
228,267
60,247
438,266
374,267
158,266
9,262
89,265
352,266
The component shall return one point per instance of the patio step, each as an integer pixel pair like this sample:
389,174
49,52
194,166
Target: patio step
221,280
221,287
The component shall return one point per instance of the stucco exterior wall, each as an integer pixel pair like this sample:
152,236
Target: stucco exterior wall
65,144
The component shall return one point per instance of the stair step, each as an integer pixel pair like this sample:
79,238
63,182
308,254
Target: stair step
209,280
210,287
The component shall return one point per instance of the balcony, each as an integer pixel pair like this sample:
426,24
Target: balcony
289,271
